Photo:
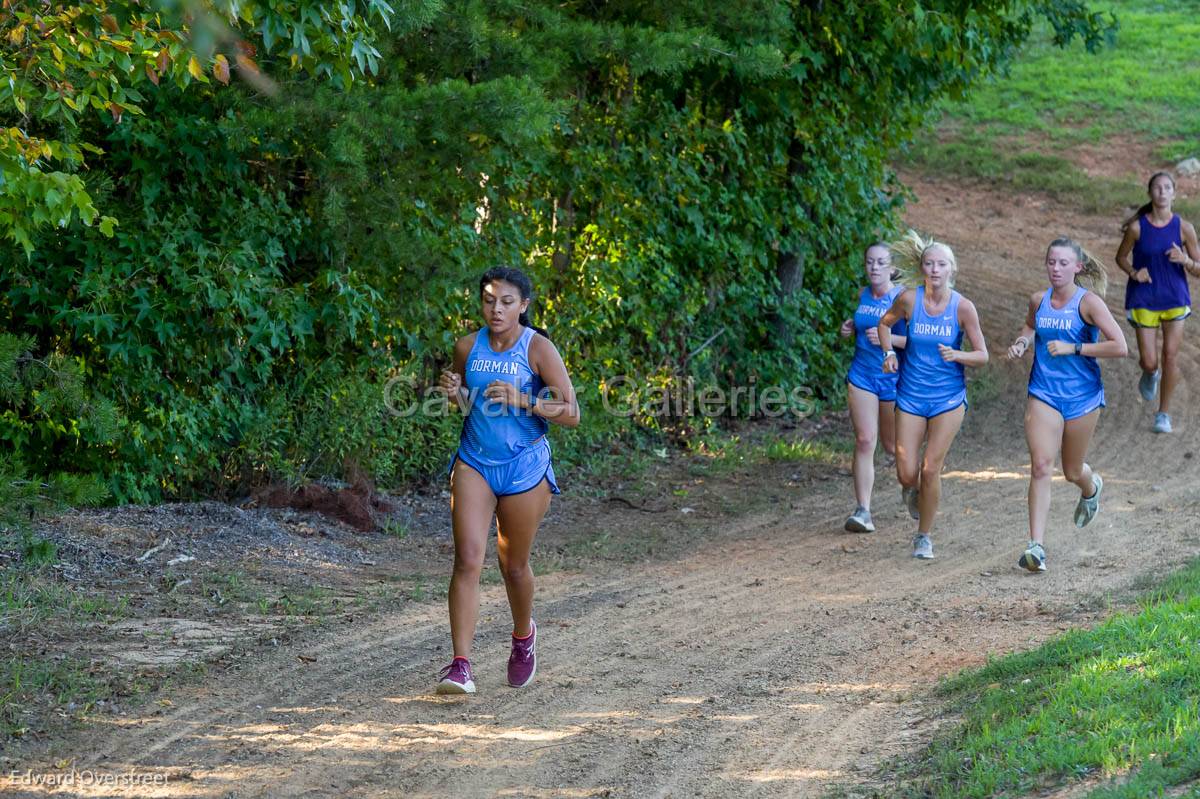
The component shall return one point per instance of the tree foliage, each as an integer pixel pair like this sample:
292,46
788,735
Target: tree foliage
64,61
687,182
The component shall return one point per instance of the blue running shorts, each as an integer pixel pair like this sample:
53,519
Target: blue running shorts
920,406
882,385
521,474
1072,408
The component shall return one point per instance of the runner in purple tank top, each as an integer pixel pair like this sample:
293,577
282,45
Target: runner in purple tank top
510,381
931,398
1065,390
1164,252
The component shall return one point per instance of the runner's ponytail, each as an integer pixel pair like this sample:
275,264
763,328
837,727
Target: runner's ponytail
909,251
1092,275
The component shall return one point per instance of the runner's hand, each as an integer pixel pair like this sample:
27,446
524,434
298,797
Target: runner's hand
503,391
890,364
873,335
847,328
1058,347
450,382
1176,255
1142,276
1018,348
949,354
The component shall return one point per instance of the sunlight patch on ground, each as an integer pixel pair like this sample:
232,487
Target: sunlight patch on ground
983,475
846,687
550,793
779,775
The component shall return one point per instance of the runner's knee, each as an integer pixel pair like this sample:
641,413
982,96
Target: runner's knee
513,572
1042,467
468,561
1073,473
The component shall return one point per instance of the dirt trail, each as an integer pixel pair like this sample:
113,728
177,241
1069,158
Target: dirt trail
785,658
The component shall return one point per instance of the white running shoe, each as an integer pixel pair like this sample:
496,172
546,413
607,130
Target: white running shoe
1033,558
1148,385
922,547
1087,508
860,521
1162,422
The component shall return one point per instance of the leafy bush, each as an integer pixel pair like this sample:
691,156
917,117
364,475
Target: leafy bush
689,185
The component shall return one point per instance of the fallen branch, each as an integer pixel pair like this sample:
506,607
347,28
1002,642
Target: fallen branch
154,550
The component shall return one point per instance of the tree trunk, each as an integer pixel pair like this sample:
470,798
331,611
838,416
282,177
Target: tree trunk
789,266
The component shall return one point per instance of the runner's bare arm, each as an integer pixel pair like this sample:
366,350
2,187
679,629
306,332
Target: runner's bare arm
1189,260
1124,261
1095,312
560,406
901,310
968,317
453,380
1024,339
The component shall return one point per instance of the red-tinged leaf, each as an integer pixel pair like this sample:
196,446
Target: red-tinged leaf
152,74
221,69
116,112
110,23
163,61
247,63
246,48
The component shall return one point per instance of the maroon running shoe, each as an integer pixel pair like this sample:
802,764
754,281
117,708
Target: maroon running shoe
456,678
522,663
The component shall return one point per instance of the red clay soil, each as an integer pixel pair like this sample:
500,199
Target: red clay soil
352,505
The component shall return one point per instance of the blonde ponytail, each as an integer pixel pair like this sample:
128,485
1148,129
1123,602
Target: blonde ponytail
1093,275
909,251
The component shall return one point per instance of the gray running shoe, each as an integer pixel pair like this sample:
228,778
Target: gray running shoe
1162,422
1086,510
1033,558
1148,385
909,495
922,547
860,521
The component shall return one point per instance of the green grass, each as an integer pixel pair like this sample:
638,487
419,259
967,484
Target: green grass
1121,702
32,685
29,598
1020,128
33,599
1145,84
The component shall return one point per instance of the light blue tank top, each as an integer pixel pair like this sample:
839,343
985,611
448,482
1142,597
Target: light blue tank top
868,357
495,432
1066,377
923,373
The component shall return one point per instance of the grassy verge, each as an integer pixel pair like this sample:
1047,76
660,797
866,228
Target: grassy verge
1020,128
1120,702
32,681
